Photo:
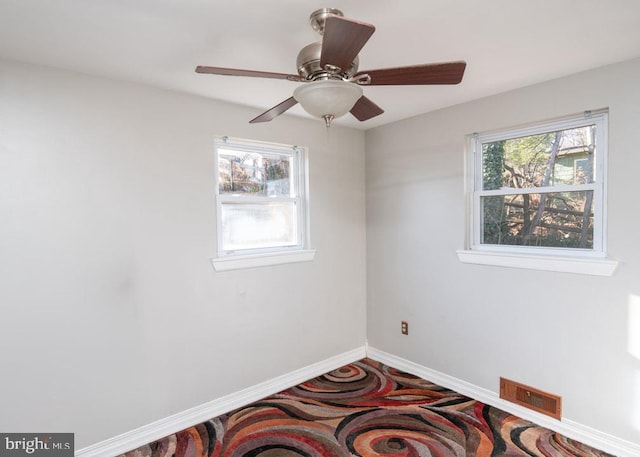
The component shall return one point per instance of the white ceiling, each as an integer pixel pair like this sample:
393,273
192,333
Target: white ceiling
507,43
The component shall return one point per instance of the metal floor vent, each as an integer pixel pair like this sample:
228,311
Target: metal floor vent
537,400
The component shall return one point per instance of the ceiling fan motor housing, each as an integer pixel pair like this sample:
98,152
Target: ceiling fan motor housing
308,64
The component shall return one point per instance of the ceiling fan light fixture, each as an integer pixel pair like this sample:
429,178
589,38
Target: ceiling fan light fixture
327,99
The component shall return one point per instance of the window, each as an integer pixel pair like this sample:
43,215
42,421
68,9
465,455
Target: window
261,203
540,191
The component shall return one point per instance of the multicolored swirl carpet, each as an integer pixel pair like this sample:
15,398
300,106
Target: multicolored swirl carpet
366,409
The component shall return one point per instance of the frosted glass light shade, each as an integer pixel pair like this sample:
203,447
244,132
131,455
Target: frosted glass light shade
327,97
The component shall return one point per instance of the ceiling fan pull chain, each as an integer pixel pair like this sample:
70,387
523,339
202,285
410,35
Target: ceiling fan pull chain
327,120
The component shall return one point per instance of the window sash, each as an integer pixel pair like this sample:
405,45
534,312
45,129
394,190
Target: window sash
256,200
259,239
512,211
588,118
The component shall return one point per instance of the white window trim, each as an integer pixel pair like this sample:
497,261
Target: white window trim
253,258
262,260
586,266
589,262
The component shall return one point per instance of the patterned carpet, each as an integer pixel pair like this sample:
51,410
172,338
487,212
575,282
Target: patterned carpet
366,409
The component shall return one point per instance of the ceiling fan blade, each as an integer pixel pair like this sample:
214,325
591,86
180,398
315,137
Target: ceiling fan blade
431,73
365,109
238,72
275,111
342,41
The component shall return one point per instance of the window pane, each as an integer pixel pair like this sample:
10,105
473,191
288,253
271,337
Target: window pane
556,220
253,226
252,173
563,157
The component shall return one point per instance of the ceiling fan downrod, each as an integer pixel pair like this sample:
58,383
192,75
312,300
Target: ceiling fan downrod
318,18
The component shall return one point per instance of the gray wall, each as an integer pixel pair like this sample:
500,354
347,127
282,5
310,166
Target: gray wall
574,335
112,316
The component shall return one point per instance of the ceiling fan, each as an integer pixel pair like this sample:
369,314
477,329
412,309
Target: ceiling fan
329,71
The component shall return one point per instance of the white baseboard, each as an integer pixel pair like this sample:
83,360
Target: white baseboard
193,416
568,428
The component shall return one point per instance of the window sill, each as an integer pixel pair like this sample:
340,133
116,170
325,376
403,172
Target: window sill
261,260
585,266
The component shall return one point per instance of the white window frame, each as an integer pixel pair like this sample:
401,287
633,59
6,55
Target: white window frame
573,260
273,255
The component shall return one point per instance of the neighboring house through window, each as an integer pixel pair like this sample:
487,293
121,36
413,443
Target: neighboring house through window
538,196
261,204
